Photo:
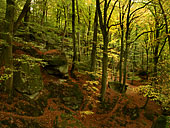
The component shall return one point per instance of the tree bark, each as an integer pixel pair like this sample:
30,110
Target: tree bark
44,11
65,25
23,13
104,23
88,32
122,44
126,49
78,33
7,51
93,54
74,41
166,23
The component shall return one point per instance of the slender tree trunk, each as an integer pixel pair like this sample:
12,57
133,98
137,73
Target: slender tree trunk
26,18
93,54
44,11
104,66
122,45
58,17
65,25
78,33
21,16
156,57
126,49
166,23
147,61
74,41
103,27
88,32
142,60
104,22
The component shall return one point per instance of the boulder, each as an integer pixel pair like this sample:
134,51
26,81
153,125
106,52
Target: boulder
57,63
28,79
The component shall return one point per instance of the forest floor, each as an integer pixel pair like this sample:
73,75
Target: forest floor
74,103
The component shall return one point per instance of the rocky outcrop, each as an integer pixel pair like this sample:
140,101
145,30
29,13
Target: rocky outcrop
28,79
56,59
57,63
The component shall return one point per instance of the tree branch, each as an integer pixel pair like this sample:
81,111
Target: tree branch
140,36
111,13
108,4
166,23
24,11
114,25
99,14
139,8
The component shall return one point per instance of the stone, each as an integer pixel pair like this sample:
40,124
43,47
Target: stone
28,79
57,63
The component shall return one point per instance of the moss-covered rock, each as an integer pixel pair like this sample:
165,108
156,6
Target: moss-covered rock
28,79
57,63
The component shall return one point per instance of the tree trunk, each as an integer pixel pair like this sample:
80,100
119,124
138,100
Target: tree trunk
23,13
93,54
88,32
103,26
74,41
104,23
7,51
44,11
104,66
26,18
65,25
147,61
156,57
78,33
122,46
126,49
166,23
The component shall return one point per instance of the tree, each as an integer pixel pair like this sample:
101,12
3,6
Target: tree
78,33
93,53
44,4
126,45
22,15
7,35
121,18
74,41
166,23
130,16
104,26
159,22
